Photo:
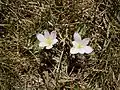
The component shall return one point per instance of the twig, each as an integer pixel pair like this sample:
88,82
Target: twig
58,69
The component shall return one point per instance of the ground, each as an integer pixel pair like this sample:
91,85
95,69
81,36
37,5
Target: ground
26,66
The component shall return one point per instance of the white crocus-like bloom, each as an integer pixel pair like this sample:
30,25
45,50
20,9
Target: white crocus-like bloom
47,40
80,46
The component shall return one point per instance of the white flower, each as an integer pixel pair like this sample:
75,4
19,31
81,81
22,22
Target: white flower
47,40
80,46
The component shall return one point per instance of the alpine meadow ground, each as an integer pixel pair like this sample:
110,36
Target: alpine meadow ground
24,65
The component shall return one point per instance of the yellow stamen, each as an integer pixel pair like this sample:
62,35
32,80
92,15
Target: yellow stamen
48,40
80,46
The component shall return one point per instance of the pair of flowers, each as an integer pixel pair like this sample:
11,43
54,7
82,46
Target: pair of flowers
79,46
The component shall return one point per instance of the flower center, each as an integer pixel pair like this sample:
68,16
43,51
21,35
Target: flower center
80,46
48,40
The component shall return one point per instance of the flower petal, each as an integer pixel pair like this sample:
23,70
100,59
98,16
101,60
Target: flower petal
81,51
46,34
53,34
54,41
74,43
74,50
88,49
85,41
42,44
40,37
49,47
77,37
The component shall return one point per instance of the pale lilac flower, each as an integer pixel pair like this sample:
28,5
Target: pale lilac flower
47,40
80,46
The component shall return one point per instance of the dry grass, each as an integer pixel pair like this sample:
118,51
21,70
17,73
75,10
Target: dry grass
25,66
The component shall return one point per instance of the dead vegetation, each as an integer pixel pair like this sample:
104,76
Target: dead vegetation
25,66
